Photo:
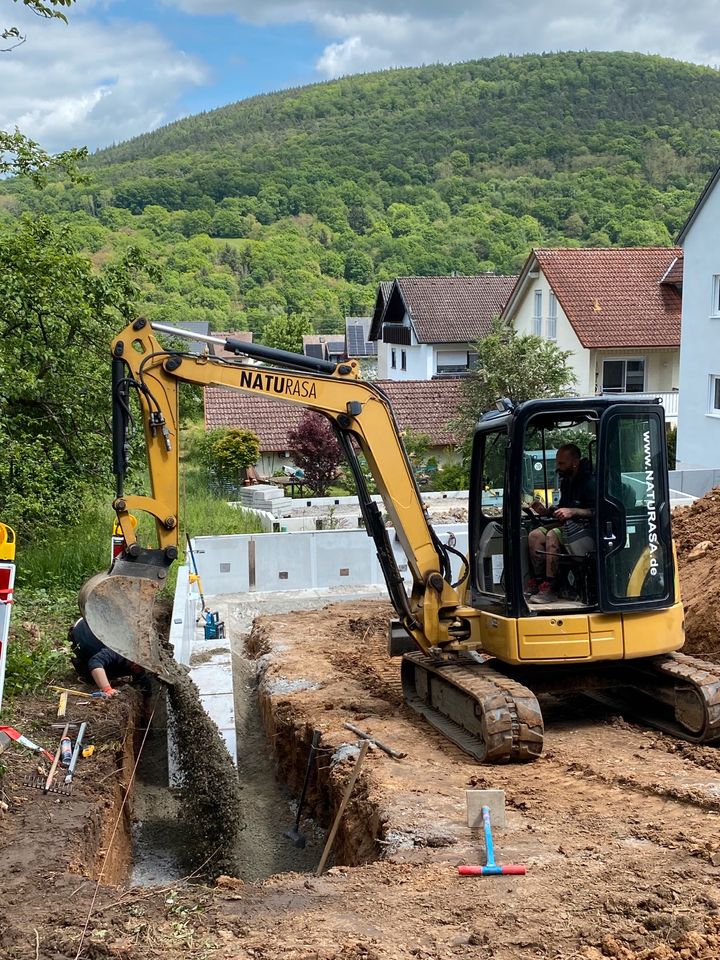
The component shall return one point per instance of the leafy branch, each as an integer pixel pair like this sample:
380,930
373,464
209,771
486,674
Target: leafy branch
39,9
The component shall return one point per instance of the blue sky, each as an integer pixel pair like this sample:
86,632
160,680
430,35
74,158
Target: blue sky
123,67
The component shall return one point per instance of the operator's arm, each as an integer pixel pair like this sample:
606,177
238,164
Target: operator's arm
571,513
98,666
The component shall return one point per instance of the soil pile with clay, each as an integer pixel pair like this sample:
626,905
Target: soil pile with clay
696,531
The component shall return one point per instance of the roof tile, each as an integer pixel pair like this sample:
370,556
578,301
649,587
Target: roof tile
613,297
449,309
423,406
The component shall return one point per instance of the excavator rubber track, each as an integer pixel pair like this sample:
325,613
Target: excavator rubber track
490,716
678,694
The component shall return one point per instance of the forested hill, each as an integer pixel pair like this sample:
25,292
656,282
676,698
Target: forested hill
506,111
310,196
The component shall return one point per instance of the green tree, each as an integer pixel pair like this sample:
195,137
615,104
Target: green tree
517,366
19,155
286,332
57,318
227,453
40,9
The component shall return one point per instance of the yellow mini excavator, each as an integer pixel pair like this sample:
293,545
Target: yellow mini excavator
476,652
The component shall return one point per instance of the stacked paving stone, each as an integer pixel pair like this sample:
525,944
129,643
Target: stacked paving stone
264,496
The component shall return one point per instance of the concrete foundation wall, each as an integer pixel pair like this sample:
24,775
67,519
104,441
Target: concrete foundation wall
246,563
694,482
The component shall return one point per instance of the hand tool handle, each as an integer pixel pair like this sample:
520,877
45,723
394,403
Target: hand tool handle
510,869
395,754
76,753
308,769
341,808
56,761
489,850
195,569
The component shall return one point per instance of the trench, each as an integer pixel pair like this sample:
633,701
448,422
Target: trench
271,770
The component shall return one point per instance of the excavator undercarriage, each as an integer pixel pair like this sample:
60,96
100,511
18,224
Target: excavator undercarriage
490,709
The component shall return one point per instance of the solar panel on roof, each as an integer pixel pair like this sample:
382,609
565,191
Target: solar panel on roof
336,346
358,345
314,350
355,339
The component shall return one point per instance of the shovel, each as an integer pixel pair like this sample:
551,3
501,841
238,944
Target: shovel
294,832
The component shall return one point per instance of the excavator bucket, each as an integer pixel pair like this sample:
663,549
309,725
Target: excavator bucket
118,608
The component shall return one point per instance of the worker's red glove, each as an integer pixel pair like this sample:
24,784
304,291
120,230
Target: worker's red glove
109,691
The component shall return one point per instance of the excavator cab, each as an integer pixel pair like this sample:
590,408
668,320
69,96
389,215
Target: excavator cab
625,564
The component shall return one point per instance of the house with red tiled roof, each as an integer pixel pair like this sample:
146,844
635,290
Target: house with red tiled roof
422,406
427,327
616,309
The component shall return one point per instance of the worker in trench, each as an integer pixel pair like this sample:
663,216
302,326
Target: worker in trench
95,662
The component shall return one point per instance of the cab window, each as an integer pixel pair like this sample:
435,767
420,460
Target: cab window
490,555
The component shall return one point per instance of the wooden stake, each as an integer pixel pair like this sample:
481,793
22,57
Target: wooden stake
341,809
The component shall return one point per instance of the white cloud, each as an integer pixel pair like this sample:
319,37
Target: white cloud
92,84
383,33
98,81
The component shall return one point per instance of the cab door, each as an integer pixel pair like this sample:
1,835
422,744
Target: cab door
634,544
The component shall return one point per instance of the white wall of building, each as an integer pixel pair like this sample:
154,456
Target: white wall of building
566,338
699,421
417,361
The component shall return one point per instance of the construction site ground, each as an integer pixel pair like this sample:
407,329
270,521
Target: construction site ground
619,826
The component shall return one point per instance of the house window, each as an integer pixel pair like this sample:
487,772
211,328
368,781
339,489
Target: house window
537,314
403,360
393,360
716,296
714,404
552,317
452,361
623,376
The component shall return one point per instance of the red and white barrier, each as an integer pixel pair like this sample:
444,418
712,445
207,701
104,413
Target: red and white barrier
7,584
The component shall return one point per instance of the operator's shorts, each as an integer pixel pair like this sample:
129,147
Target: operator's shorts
578,544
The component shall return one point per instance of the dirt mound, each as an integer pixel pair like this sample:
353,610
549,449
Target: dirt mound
696,530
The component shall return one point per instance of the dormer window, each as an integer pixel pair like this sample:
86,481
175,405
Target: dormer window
537,314
552,317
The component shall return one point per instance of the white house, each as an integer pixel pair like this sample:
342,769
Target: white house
617,310
698,442
428,326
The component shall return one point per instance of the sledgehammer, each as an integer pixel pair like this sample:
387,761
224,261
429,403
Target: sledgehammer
491,869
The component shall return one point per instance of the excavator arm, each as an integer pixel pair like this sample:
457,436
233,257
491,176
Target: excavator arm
118,605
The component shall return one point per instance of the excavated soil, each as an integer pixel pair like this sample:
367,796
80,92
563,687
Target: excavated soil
619,826
696,531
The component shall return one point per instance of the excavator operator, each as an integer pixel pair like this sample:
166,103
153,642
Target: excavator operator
568,527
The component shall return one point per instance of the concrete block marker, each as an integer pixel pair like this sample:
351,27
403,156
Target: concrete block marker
475,800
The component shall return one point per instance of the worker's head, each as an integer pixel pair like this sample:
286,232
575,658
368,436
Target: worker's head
567,460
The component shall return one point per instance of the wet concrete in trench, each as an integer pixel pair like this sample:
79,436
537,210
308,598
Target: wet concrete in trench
268,807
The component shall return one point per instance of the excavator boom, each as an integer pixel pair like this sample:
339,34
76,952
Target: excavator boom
118,605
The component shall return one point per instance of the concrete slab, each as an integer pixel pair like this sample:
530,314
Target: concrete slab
221,708
475,800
